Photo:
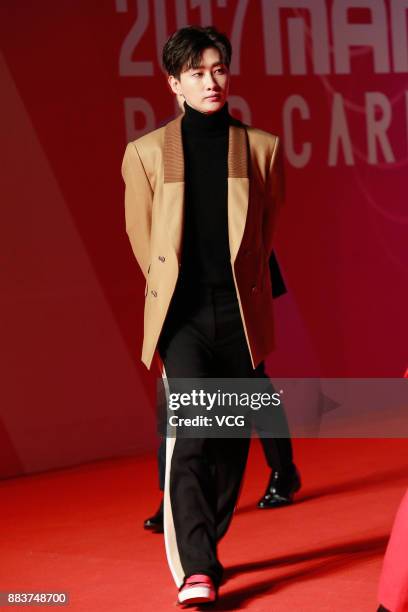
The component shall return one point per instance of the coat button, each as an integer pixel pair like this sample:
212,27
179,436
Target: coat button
254,289
153,292
162,258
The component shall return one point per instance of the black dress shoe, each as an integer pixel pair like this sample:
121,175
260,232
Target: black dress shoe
281,489
155,523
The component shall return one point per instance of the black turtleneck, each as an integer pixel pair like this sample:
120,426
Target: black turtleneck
206,254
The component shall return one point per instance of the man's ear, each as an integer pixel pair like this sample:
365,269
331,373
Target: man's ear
174,84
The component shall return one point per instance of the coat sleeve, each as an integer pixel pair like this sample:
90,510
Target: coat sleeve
274,194
138,206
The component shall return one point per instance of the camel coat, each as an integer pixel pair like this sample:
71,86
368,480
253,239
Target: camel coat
153,172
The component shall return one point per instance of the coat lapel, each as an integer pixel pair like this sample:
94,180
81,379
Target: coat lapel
173,186
238,185
174,181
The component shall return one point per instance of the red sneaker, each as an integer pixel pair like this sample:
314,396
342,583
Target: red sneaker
198,588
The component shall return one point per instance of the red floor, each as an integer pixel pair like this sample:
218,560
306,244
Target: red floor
79,530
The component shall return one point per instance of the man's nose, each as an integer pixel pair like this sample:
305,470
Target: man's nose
210,81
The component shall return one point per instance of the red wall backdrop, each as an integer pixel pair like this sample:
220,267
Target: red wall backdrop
81,78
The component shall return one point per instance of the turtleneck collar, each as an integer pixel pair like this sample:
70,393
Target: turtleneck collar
197,122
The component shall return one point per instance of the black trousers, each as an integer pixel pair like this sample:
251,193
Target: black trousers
278,451
203,337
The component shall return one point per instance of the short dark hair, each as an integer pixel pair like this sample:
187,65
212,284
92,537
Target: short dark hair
184,48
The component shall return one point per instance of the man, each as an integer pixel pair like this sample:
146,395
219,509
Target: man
201,202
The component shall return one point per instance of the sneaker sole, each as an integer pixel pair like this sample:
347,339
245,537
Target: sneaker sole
196,595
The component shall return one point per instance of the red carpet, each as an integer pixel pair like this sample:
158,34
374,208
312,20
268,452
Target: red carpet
80,530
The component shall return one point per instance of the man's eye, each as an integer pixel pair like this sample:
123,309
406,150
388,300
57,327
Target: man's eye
197,74
220,70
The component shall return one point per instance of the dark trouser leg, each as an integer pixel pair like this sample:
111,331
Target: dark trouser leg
233,360
190,496
278,452
161,430
229,475
193,501
203,476
161,461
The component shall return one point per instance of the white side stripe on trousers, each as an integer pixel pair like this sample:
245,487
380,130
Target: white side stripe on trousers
172,553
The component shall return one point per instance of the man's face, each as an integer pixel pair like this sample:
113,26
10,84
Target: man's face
204,88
